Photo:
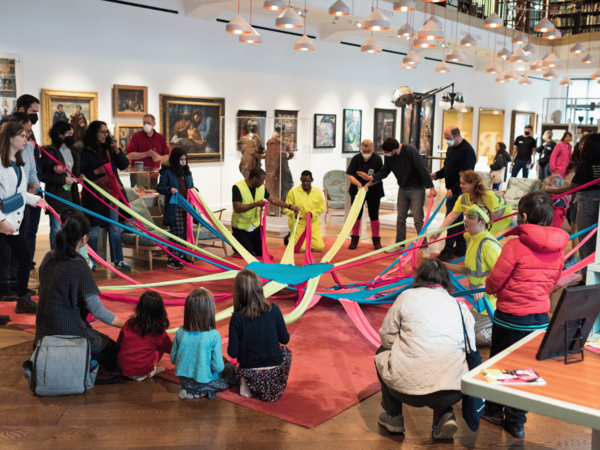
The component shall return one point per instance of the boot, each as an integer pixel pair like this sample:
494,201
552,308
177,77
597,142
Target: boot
353,243
4,320
25,306
377,243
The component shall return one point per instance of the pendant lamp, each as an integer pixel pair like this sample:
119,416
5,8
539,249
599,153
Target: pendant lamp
404,5
304,44
589,59
468,41
549,74
538,66
551,61
442,67
376,22
493,68
501,79
431,32
408,66
371,46
406,31
411,58
434,20
578,48
252,38
238,26
525,81
512,75
543,25
274,5
339,8
552,34
595,75
455,55
566,81
288,19
493,21
424,43
519,56
529,48
504,54
434,1
520,38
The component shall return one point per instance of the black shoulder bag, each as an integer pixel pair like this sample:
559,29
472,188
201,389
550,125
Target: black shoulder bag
11,204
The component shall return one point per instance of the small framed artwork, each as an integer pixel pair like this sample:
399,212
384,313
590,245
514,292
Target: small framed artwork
384,127
79,108
124,131
194,124
352,130
130,101
255,119
286,123
324,131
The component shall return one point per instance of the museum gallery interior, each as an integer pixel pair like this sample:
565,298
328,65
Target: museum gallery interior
299,224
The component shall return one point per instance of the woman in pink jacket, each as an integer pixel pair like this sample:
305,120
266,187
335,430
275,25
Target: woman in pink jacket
561,156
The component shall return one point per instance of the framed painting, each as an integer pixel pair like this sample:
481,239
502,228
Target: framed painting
384,126
194,123
325,128
130,101
352,130
286,123
79,108
251,119
8,80
124,131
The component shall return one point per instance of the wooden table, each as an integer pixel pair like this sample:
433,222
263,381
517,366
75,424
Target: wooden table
572,392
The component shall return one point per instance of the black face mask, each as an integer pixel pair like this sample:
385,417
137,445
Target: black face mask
526,133
33,117
69,141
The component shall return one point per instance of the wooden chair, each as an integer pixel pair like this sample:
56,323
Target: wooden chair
334,191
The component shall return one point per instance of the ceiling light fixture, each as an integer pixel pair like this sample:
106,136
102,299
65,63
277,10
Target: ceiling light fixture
238,25
538,66
519,56
595,75
371,46
529,48
493,21
501,79
253,37
404,5
543,26
549,74
525,81
551,61
566,81
406,31
376,21
442,67
512,75
578,48
411,58
504,53
274,5
339,8
304,44
520,38
493,68
424,43
455,55
589,59
468,41
288,19
552,34
431,32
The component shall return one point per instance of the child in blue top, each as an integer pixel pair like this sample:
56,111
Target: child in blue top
196,351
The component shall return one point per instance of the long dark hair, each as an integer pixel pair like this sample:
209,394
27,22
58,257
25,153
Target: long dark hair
248,295
432,271
174,158
75,228
150,316
10,130
590,153
90,138
199,311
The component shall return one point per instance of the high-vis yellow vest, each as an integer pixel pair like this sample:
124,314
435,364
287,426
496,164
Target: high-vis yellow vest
242,221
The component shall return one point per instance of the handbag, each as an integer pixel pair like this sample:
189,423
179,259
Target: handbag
11,204
472,407
105,183
497,176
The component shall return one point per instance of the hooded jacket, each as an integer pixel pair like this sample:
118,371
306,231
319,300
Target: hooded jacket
527,269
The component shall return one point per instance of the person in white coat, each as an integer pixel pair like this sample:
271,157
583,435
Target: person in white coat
422,355
13,183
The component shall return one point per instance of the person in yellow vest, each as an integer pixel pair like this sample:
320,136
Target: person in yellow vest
249,196
482,253
310,200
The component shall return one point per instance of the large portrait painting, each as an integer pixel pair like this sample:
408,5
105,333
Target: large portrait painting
352,130
384,127
77,108
251,122
124,131
286,123
130,101
325,127
194,123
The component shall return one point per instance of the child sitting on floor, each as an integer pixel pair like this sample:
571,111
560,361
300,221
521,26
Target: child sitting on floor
143,338
197,353
523,277
559,205
255,331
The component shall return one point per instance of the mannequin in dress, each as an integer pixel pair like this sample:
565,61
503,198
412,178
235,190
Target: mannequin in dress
252,148
279,176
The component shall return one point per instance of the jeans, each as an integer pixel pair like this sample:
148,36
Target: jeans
114,231
412,198
544,172
588,203
32,229
55,225
518,165
461,243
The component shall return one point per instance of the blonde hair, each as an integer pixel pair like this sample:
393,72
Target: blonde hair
556,180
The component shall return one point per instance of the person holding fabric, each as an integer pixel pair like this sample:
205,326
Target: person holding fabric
422,355
459,157
561,156
176,178
545,151
248,197
499,167
559,205
68,293
100,149
149,146
310,200
483,251
413,179
523,152
58,181
370,163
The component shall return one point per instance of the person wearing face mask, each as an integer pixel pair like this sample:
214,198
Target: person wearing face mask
58,181
149,146
523,153
459,157
370,163
413,179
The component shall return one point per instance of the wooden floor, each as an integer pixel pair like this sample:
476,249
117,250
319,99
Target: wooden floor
148,414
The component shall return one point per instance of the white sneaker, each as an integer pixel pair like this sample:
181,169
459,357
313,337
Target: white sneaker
425,253
395,249
446,427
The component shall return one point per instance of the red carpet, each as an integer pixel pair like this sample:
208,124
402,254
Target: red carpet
332,363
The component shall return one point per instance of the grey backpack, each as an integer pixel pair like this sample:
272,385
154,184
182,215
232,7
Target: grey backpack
61,365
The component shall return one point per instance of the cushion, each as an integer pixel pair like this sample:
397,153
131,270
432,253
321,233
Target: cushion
336,204
131,194
140,207
335,182
129,239
519,187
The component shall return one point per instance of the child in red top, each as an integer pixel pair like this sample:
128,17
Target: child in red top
522,280
143,338
560,205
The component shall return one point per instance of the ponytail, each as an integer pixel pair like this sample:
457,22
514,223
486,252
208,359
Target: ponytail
74,229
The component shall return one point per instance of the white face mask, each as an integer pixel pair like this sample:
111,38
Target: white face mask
147,128
450,142
366,156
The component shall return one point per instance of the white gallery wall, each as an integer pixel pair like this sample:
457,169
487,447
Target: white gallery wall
90,45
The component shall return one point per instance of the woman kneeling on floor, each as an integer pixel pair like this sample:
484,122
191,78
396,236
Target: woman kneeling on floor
422,355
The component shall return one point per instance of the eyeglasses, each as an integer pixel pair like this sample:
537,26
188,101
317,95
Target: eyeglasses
105,132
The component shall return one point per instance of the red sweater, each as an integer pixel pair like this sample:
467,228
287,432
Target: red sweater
527,270
140,143
138,355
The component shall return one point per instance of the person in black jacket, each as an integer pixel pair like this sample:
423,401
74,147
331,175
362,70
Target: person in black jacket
545,151
99,149
459,157
501,161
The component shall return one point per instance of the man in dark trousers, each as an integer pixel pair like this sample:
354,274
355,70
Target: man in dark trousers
523,151
413,178
459,157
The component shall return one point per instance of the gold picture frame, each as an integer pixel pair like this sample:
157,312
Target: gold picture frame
76,107
123,133
130,101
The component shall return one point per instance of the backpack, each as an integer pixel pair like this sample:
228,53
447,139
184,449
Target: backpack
61,365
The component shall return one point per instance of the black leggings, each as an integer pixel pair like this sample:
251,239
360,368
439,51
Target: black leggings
108,356
373,201
251,241
15,245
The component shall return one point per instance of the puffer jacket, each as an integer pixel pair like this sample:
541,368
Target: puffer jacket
527,269
560,159
424,337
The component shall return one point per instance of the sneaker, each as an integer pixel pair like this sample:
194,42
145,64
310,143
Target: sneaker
392,424
571,262
446,427
182,394
121,265
397,249
445,256
425,253
187,259
495,419
286,240
4,320
25,306
516,430
174,264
